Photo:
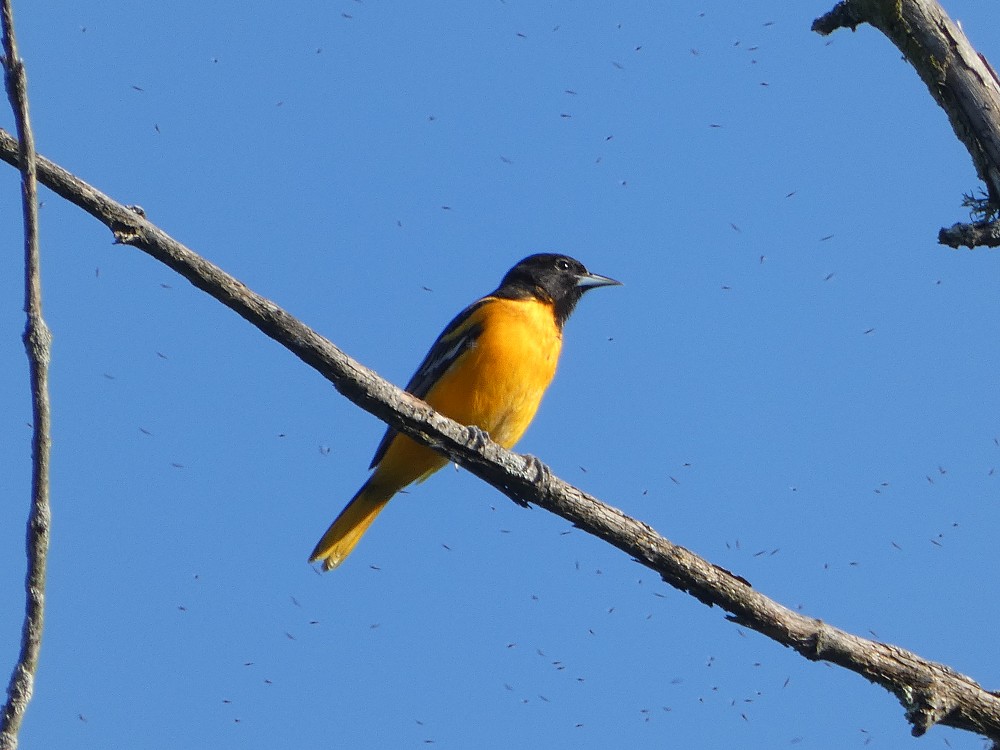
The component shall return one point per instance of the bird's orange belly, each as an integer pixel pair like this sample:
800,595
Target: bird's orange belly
497,385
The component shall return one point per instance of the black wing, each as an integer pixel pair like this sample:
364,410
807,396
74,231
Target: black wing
460,334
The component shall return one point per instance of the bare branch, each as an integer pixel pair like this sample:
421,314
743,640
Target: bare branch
930,692
961,80
37,342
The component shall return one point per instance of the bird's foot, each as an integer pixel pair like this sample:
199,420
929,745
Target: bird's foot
477,438
534,465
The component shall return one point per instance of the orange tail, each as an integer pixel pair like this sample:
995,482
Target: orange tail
345,532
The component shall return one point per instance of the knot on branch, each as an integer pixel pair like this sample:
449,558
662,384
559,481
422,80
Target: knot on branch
926,706
37,338
126,231
820,644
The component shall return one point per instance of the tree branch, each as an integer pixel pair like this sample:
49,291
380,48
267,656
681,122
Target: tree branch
37,342
961,80
930,692
976,234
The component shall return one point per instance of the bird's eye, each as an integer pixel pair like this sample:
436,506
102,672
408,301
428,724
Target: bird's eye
562,265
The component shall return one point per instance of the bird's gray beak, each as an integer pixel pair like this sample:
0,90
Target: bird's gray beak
592,280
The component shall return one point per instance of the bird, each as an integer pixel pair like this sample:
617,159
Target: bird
489,369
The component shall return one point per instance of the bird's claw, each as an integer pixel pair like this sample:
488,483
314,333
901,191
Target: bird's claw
478,438
534,464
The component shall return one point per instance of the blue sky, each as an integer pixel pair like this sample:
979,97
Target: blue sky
795,381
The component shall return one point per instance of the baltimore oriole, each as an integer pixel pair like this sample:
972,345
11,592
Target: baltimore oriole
489,368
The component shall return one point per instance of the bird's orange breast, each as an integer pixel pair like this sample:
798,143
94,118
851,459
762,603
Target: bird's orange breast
496,385
499,382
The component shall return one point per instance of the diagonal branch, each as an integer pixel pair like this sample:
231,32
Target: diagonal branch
931,692
37,342
961,80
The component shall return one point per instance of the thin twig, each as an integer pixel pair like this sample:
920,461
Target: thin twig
37,342
930,692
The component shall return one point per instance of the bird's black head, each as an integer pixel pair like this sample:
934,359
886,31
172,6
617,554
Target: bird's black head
553,278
